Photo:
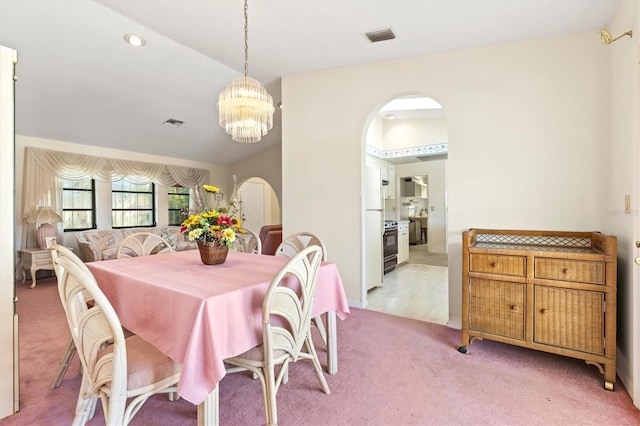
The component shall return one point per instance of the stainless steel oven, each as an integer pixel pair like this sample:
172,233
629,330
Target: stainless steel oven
390,245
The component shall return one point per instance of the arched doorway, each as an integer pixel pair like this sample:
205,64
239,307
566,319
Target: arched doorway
407,138
259,204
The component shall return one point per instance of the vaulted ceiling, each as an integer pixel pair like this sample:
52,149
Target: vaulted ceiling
78,81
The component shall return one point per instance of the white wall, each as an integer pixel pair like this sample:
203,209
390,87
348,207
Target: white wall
526,142
218,175
266,165
623,177
400,134
9,380
375,133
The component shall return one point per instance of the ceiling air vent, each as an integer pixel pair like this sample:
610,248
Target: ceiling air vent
173,122
433,157
380,35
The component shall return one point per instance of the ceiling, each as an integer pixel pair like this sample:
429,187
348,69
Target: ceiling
78,81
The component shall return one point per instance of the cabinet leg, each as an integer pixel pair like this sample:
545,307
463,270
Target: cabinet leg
463,345
608,385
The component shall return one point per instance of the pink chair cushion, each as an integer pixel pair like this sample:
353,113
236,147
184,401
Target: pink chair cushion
145,364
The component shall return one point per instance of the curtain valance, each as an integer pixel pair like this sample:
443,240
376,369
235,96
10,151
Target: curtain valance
68,165
43,166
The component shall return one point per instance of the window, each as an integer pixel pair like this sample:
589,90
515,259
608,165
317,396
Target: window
78,204
132,204
178,204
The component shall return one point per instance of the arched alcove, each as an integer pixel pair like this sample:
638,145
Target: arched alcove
259,204
406,137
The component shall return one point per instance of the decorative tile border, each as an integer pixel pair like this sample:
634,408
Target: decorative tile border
415,151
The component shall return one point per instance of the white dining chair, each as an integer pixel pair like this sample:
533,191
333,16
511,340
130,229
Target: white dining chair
247,242
286,318
142,244
295,243
70,349
115,368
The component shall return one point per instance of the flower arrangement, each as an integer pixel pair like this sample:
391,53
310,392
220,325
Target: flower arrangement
212,226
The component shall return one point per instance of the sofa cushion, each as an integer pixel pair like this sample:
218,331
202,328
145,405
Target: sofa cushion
96,245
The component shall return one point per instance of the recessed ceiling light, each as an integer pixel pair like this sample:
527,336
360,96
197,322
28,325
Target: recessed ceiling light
134,40
389,116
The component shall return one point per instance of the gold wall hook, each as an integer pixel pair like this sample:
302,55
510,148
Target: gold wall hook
606,38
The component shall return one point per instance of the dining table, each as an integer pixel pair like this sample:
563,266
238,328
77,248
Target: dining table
199,315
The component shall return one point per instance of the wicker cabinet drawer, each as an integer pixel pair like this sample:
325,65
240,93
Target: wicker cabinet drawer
498,264
497,307
566,318
569,270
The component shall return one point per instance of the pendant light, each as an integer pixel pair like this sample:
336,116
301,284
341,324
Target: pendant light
245,107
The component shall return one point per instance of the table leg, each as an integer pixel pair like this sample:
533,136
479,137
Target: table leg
332,343
208,410
33,276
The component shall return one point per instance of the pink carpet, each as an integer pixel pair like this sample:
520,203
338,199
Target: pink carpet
392,371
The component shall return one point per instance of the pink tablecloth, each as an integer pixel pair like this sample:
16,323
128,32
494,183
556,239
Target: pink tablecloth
200,314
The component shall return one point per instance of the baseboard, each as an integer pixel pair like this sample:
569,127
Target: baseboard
623,370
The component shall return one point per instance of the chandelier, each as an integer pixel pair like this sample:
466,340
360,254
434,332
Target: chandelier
245,107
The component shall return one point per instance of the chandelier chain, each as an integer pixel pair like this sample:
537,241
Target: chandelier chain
246,39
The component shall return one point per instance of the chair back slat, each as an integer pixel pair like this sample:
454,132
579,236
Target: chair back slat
288,303
294,243
94,327
247,242
142,244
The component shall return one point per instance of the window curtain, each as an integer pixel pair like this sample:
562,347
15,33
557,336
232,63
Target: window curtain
44,167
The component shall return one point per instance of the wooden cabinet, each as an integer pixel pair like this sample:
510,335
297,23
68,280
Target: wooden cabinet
550,291
403,241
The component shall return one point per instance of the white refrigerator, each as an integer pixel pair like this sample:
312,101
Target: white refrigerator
374,227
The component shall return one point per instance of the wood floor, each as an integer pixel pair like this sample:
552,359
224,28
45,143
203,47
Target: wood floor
414,290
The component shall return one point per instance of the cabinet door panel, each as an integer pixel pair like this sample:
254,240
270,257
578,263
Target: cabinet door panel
497,307
569,318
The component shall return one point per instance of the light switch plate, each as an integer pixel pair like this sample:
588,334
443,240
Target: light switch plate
627,203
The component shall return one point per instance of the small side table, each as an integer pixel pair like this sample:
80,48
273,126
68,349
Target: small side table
33,260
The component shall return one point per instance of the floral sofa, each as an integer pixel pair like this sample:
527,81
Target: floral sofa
102,244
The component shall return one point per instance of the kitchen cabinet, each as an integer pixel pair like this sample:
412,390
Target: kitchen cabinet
410,188
550,291
388,173
403,241
390,193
